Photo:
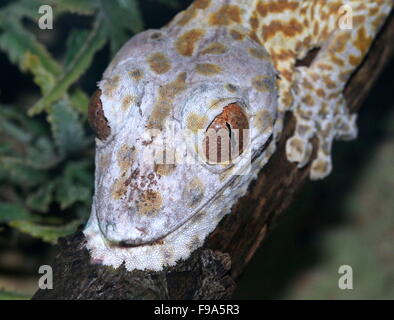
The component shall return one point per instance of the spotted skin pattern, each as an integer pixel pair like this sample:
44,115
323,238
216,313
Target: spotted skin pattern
178,81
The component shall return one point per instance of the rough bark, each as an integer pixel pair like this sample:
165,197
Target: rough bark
211,272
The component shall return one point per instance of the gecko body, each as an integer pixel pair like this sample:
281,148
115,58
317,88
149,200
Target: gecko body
223,66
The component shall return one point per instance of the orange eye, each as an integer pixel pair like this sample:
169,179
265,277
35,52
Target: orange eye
96,118
226,137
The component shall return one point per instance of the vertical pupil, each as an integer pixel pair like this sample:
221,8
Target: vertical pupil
229,130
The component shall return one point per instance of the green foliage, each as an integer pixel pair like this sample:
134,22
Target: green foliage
67,131
117,15
46,233
82,58
12,212
46,162
5,295
31,56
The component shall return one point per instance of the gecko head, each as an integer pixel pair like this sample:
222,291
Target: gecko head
177,133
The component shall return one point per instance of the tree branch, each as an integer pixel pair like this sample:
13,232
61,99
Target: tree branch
211,272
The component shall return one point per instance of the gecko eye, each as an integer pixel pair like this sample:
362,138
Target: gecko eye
226,137
96,118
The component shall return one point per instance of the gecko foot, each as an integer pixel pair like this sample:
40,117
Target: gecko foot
320,112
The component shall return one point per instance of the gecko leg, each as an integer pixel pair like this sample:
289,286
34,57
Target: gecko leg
322,113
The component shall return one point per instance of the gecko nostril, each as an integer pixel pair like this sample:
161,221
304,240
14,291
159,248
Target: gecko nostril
156,36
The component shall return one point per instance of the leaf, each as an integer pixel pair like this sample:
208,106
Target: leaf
44,79
80,101
75,41
45,232
16,41
74,185
121,16
5,148
25,141
16,116
21,173
25,51
76,6
41,199
133,17
66,128
30,8
7,295
67,194
21,9
77,67
80,171
41,154
12,211
11,129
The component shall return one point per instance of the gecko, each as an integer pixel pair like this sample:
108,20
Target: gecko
163,180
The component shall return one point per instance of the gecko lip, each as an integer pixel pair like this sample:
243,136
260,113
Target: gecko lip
137,242
113,240
129,243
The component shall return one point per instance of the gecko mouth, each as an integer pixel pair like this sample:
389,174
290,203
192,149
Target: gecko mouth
132,243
